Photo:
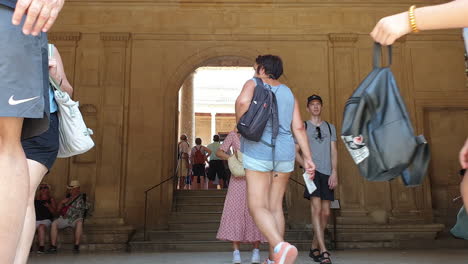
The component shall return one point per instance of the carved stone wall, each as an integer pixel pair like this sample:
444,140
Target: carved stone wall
128,83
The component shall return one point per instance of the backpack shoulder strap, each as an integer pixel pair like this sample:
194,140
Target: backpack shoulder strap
305,124
329,128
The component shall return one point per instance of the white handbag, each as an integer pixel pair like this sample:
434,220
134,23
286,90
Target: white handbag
74,136
235,165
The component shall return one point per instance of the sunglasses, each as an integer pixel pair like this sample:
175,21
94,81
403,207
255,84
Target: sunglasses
319,133
43,188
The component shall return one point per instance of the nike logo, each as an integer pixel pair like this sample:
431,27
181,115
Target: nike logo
12,101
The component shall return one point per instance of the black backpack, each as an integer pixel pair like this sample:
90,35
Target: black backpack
262,107
377,130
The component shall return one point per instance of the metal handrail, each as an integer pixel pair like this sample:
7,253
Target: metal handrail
174,176
146,202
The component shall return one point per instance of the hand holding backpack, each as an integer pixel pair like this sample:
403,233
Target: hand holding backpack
377,130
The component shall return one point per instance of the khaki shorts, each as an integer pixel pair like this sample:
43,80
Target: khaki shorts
64,223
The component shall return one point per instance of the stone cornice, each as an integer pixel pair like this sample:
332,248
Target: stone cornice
64,36
115,36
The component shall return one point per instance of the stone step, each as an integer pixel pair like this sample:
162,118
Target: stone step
201,246
96,238
202,199
194,193
199,225
201,207
190,217
210,235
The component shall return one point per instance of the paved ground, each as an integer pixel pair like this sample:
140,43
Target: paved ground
455,256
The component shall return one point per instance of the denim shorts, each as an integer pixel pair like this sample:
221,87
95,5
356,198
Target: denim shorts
267,165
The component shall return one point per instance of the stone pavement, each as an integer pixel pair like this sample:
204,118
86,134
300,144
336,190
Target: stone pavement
368,256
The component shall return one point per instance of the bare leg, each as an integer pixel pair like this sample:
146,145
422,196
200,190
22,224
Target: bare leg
41,235
259,184
235,245
14,187
316,207
78,231
53,233
36,173
256,244
278,188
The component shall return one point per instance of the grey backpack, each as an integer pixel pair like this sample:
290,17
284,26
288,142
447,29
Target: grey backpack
377,130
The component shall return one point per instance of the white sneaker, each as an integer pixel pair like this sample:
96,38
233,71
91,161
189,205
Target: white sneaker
236,257
256,256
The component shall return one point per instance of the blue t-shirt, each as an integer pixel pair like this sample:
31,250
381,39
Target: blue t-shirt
53,104
9,3
285,148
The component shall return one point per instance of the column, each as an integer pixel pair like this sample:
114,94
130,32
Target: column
213,124
187,115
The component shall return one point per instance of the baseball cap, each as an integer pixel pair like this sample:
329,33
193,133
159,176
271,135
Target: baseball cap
314,97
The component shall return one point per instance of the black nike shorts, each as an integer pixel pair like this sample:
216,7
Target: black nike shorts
44,148
322,191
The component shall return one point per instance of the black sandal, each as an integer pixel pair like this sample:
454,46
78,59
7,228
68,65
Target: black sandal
325,259
317,257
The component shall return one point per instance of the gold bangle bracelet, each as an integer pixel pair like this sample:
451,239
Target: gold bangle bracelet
412,19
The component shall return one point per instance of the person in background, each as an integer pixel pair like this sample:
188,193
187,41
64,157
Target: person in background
183,151
216,170
72,210
322,139
23,113
267,178
198,157
236,223
45,207
41,152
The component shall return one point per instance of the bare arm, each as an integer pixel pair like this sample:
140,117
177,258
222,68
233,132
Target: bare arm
208,152
244,99
222,155
464,190
299,132
444,16
299,158
333,180
53,206
58,73
62,204
464,156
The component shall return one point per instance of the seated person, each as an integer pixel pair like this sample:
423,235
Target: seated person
45,207
72,211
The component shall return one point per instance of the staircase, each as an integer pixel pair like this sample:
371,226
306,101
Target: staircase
196,214
194,223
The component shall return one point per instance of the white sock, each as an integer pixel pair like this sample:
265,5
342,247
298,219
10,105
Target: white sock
256,250
278,247
236,251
